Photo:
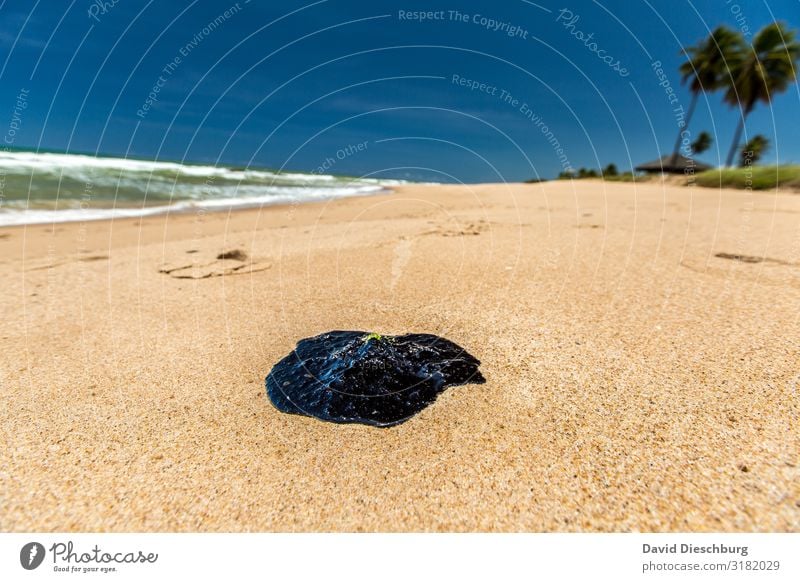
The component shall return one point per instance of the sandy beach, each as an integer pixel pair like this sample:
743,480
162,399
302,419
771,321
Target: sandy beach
641,345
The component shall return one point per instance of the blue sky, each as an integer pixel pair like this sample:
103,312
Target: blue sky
295,84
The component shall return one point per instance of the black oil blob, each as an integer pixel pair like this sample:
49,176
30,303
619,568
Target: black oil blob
355,376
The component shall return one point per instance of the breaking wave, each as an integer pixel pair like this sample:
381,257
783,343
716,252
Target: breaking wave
38,188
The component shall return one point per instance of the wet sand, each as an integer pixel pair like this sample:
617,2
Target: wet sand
635,379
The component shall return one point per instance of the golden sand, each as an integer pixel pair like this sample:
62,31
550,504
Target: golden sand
635,381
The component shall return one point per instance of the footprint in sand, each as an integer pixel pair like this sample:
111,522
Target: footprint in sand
751,259
41,265
470,229
772,271
233,262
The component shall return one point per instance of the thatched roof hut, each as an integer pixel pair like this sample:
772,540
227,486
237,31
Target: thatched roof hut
670,164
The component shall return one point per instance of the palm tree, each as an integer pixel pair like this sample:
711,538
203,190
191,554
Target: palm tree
706,68
753,150
702,143
767,68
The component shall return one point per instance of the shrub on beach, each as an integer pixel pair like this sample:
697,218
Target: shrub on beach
755,177
610,170
626,177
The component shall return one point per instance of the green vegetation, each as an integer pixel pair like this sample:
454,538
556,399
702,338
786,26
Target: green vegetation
748,73
610,170
766,68
706,69
626,177
609,173
753,150
748,177
378,338
702,143
583,173
754,177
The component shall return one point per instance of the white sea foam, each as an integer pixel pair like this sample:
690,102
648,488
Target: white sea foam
47,187
64,163
22,216
49,162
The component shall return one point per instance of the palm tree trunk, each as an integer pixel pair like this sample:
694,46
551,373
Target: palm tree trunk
689,114
736,137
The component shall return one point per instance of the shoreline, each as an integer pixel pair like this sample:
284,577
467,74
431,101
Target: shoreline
660,181
161,210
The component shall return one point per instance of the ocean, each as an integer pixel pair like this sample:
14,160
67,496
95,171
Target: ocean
42,188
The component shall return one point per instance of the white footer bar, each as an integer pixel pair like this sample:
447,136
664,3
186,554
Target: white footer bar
400,557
